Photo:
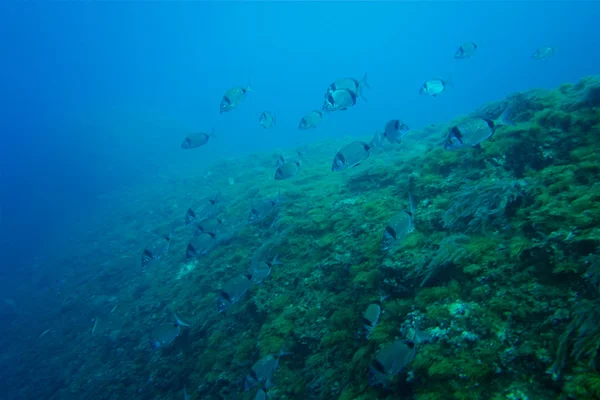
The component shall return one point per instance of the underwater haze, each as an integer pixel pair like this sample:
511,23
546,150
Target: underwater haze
97,98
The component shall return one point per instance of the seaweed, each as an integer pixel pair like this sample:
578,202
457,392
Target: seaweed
477,206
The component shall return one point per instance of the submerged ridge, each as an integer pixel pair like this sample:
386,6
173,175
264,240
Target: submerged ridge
503,252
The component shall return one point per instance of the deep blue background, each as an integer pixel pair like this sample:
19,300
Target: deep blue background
96,97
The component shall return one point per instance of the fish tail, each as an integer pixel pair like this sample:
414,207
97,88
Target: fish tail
212,134
363,81
504,119
248,88
376,141
276,260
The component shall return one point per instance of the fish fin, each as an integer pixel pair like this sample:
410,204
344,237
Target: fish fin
212,134
343,109
362,96
477,146
448,82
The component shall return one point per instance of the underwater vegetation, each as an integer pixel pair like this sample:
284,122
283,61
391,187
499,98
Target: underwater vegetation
498,284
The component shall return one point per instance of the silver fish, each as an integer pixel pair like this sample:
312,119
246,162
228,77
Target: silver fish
156,250
196,140
262,209
352,155
266,120
287,170
310,120
543,53
395,130
466,50
352,84
262,371
210,226
371,317
205,210
434,87
233,290
200,245
233,97
260,270
473,131
391,359
339,100
164,334
397,229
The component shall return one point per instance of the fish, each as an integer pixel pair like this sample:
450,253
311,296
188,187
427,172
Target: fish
164,334
351,84
434,87
261,394
210,226
397,229
260,270
370,317
200,245
543,53
266,120
473,131
339,100
466,50
262,371
353,154
287,170
181,321
205,210
233,97
395,130
310,120
156,249
186,396
262,209
199,139
391,359
232,291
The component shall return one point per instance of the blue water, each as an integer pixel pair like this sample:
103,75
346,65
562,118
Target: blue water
97,97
